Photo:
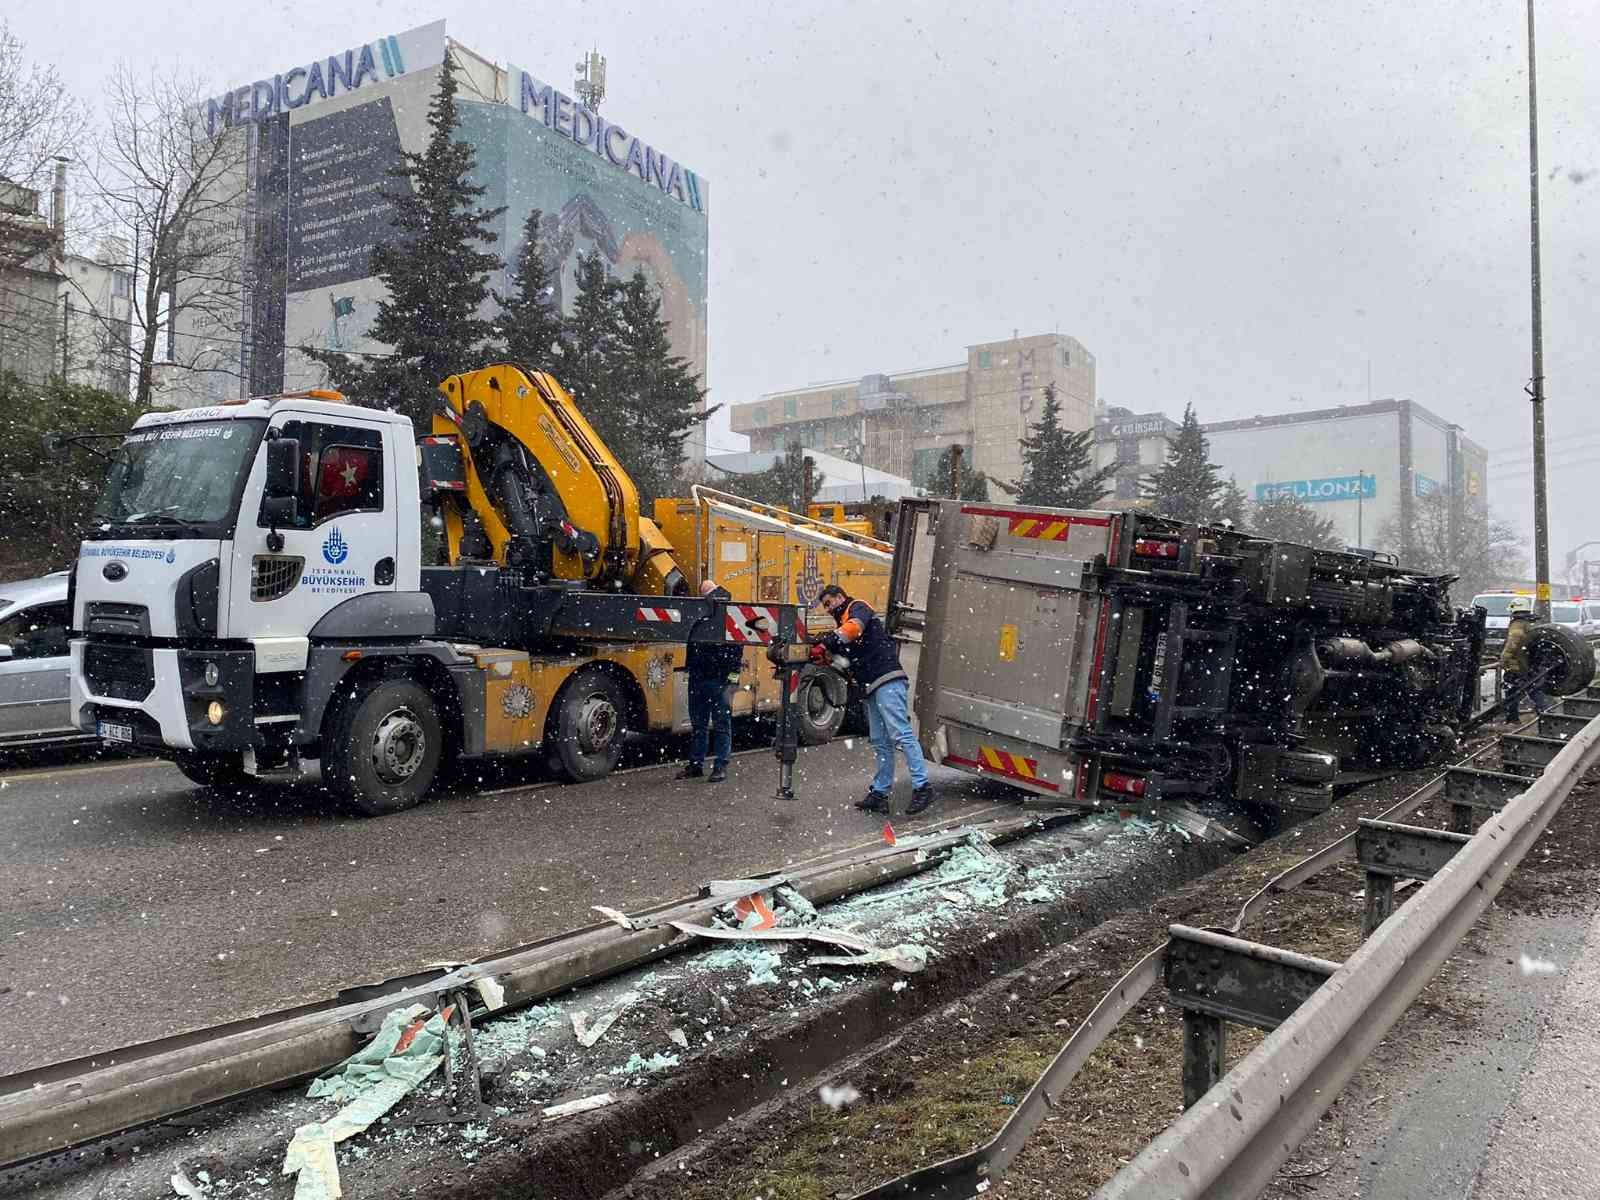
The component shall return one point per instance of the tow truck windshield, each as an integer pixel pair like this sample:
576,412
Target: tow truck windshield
177,478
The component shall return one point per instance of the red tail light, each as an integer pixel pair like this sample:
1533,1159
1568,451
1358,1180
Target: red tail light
1155,548
1128,785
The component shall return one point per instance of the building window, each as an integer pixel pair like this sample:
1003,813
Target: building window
985,359
1066,358
789,406
121,285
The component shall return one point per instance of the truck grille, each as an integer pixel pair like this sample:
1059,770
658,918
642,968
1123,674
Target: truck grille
123,620
121,672
275,575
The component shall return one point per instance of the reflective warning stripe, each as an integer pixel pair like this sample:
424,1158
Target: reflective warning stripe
750,623
658,614
1002,762
1032,525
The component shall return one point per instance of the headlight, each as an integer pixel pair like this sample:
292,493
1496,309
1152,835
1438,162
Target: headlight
214,712
213,676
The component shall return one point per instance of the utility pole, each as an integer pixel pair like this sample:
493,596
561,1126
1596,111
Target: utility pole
66,318
1541,512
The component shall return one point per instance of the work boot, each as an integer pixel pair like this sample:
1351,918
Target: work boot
920,799
691,771
873,801
718,774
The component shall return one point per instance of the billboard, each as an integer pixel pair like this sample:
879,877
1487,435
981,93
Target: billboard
598,186
1318,491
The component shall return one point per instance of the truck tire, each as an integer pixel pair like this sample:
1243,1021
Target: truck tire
382,746
588,726
1566,650
820,702
224,772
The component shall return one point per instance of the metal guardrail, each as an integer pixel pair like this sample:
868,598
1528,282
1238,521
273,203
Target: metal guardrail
1228,1145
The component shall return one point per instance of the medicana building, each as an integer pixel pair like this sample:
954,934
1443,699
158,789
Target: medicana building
315,142
1364,467
902,422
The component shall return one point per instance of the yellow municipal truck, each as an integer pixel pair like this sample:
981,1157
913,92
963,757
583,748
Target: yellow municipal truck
255,591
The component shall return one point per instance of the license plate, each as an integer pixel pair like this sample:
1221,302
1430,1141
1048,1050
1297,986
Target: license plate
110,731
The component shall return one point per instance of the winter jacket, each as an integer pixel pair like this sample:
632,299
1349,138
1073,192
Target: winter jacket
862,638
1515,655
714,660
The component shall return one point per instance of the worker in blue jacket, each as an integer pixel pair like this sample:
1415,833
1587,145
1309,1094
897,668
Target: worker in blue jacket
875,666
713,673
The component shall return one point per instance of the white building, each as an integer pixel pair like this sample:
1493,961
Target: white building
837,479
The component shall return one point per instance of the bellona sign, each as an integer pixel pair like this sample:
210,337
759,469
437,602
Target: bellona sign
1313,491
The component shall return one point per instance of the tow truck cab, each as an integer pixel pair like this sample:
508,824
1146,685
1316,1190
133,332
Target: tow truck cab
226,541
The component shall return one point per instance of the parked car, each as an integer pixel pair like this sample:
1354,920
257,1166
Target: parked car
33,663
1498,606
1580,614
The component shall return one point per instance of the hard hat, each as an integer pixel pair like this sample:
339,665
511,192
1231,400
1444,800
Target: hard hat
1520,604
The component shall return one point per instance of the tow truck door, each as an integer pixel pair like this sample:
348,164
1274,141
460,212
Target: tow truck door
345,535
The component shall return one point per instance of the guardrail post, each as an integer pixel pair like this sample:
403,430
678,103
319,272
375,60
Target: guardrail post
1214,978
1205,1048
1521,753
1587,707
1472,794
1389,851
1559,726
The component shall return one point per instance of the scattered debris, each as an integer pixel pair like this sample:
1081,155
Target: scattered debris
614,916
639,1065
1536,966
183,1187
888,833
838,1097
572,1107
833,937
905,957
678,1038
798,907
751,912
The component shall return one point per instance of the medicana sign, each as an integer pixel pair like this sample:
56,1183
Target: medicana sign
561,113
324,78
1313,491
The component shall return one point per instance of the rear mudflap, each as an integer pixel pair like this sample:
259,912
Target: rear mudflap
1052,774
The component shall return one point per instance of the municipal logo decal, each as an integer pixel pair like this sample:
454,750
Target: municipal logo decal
655,674
334,548
808,584
172,555
518,701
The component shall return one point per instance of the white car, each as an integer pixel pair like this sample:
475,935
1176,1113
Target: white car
33,663
1583,616
1498,606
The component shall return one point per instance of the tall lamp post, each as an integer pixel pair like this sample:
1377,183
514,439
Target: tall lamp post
1541,514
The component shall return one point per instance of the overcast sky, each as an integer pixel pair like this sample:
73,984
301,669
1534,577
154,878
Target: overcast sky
1229,203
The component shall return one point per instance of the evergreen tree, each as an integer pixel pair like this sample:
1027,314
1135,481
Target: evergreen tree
974,484
436,278
654,398
779,485
529,322
1058,465
1186,486
1286,518
1233,505
589,345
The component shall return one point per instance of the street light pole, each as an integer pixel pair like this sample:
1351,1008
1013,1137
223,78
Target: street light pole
1541,513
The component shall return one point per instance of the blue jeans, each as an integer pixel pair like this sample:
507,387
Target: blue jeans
710,718
889,725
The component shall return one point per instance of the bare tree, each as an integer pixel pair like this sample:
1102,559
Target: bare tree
1478,547
39,121
173,197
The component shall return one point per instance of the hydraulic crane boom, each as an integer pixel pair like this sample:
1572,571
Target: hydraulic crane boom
543,493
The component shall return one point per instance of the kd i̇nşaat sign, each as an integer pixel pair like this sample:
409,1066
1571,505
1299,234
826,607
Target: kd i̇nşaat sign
338,171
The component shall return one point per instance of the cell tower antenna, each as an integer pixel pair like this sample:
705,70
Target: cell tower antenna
591,82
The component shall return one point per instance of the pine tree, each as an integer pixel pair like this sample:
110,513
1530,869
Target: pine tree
1186,486
651,392
779,485
1284,517
589,345
1058,465
437,280
974,484
1233,505
529,322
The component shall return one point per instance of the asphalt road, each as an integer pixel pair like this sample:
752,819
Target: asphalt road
138,906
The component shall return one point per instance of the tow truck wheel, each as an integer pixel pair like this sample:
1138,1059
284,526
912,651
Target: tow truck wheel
223,771
590,727
383,745
820,702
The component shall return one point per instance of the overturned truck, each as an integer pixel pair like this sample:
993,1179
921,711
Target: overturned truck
1121,659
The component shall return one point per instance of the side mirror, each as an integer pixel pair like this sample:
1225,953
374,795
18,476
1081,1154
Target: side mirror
283,472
